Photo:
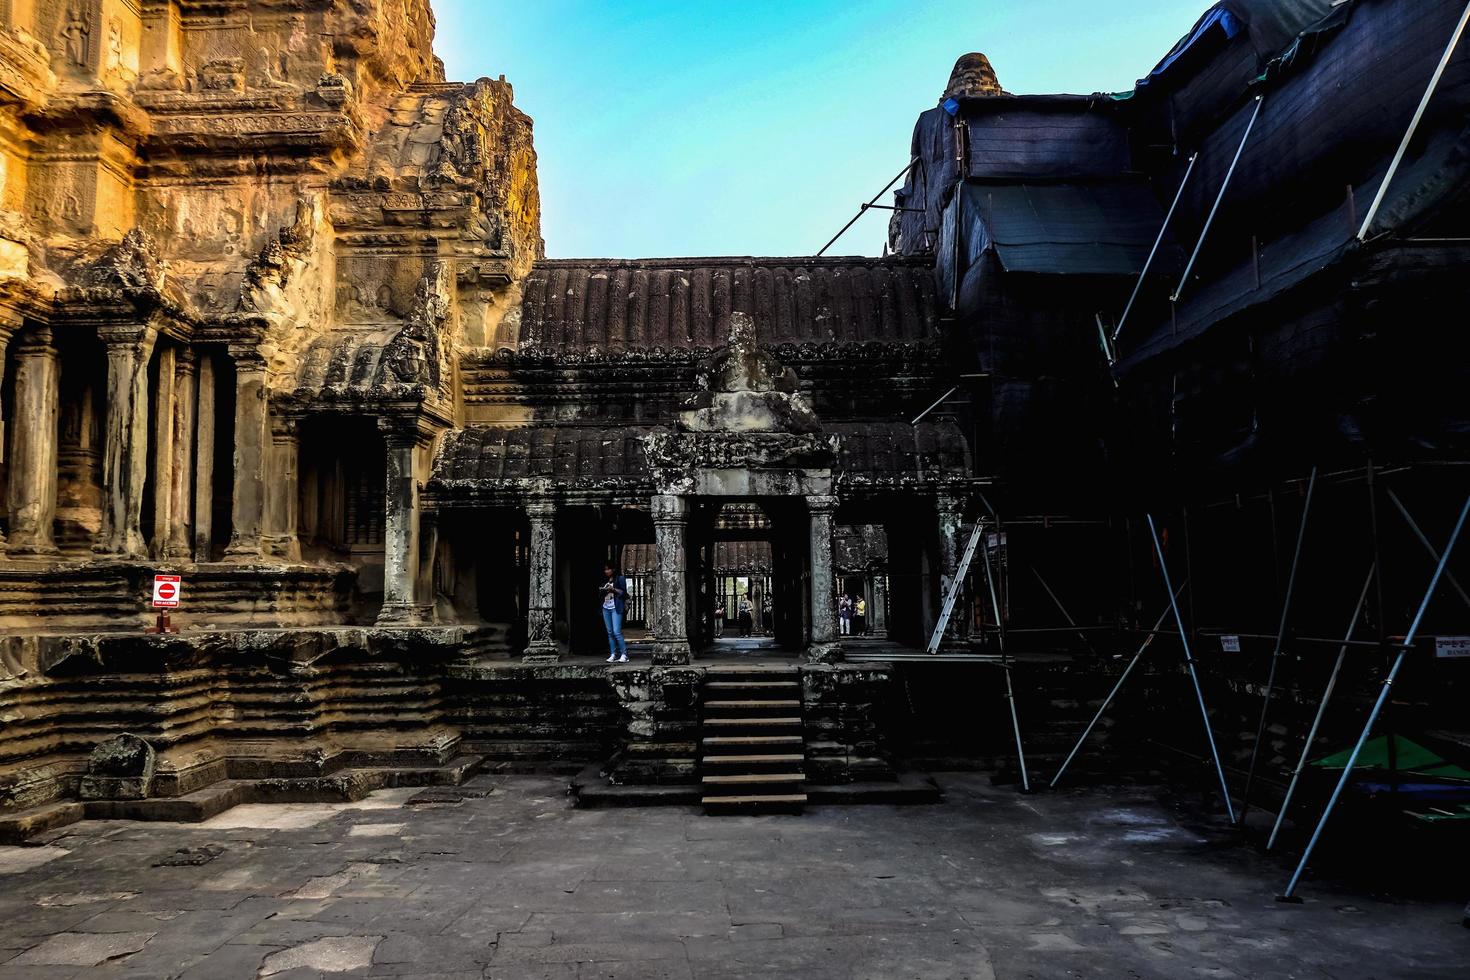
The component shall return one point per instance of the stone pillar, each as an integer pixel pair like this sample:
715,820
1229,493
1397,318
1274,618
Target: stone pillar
878,605
125,446
252,436
204,461
541,603
180,481
401,605
6,331
824,644
163,451
31,495
950,510
282,489
670,530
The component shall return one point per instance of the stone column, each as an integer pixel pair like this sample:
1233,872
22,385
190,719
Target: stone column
180,482
282,489
824,643
878,606
541,603
6,331
204,461
251,439
670,531
163,452
125,445
32,493
401,606
950,510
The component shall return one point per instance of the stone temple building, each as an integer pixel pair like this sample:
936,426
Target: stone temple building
275,317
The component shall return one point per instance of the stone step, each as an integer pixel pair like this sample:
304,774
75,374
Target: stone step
757,722
755,779
783,759
17,826
737,742
783,802
782,705
749,672
752,685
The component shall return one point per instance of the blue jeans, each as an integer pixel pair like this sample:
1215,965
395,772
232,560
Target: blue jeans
613,620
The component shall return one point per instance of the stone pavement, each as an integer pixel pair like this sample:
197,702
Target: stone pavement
512,883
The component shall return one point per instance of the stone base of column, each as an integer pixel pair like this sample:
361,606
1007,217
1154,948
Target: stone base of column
23,549
283,547
824,653
404,614
671,653
542,653
243,552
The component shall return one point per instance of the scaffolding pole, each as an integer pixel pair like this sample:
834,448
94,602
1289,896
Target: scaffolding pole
1433,555
1189,662
864,208
1224,185
1005,663
1110,345
1393,672
1321,708
1066,615
1137,656
1296,557
1398,156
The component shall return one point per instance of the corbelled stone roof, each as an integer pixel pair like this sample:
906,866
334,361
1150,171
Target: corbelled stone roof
672,303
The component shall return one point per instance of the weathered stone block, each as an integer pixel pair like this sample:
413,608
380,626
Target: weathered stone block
120,768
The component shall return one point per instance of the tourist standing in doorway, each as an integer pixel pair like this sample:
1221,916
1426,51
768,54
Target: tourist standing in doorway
860,617
614,606
844,615
719,617
746,620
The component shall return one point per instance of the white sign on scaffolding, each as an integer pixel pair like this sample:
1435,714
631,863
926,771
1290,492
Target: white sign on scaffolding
1452,647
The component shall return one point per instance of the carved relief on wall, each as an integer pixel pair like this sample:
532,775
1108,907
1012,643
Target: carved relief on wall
74,35
375,289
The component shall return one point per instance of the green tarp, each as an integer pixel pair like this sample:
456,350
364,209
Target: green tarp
1408,756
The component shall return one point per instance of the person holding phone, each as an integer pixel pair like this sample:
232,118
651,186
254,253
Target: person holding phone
614,607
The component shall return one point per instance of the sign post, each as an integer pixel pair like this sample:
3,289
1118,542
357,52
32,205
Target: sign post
166,592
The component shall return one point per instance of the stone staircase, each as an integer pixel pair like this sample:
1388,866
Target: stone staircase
752,749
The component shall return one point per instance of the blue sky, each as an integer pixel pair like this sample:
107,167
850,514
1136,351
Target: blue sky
681,127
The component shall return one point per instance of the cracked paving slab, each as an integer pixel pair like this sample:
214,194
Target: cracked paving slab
517,884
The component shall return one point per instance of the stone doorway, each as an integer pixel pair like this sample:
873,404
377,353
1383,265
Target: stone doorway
749,554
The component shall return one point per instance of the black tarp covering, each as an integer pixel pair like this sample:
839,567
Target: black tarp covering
1292,341
1316,157
1100,229
1031,137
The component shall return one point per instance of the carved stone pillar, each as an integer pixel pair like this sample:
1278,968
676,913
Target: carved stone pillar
541,603
204,462
401,605
125,446
671,612
32,492
951,514
281,492
163,451
824,644
252,436
6,331
180,481
878,607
